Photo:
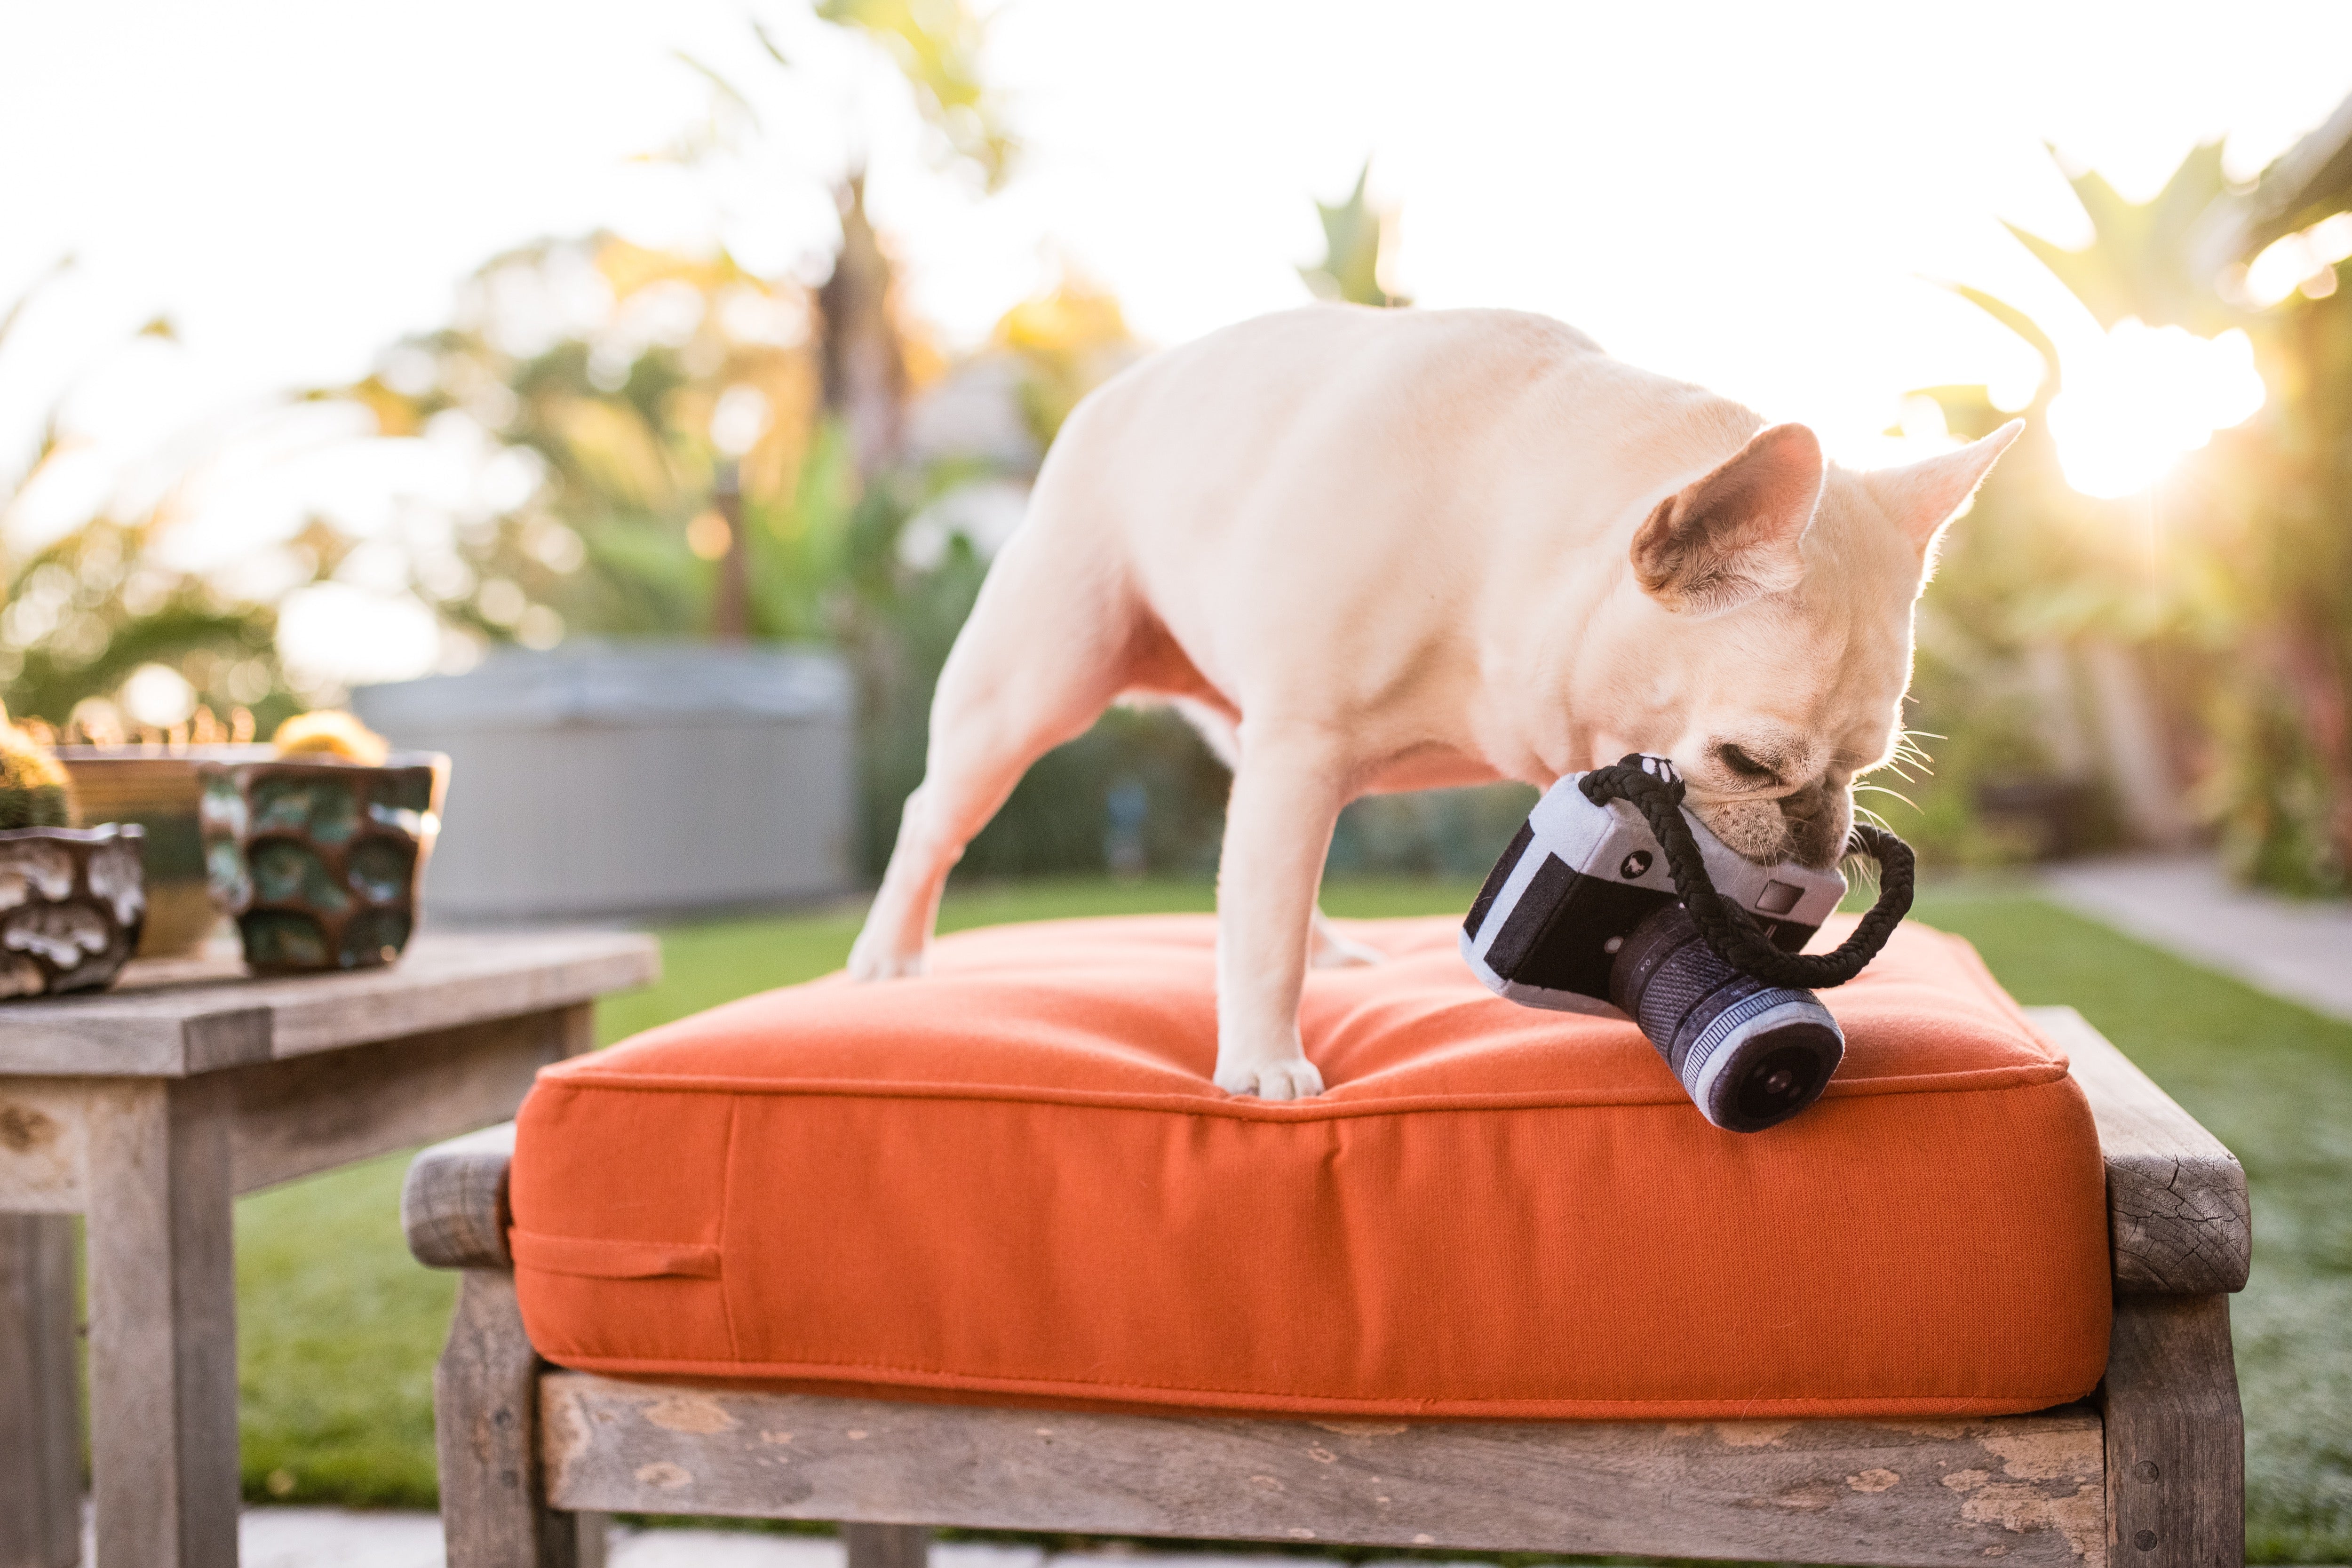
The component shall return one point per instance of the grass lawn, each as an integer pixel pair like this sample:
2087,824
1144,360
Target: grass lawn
338,1330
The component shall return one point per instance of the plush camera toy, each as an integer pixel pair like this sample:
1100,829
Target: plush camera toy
1614,900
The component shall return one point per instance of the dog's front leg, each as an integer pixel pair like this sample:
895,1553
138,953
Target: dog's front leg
1286,796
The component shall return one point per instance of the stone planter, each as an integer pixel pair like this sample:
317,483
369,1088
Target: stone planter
157,790
320,861
72,901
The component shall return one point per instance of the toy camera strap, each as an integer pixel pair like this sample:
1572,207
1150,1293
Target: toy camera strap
1652,787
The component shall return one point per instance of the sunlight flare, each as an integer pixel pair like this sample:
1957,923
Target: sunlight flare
2144,396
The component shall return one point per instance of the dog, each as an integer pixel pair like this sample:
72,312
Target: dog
1367,551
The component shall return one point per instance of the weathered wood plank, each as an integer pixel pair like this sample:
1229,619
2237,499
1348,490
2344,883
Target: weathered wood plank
2178,1217
2027,1488
2175,1437
40,1427
315,1112
96,1034
462,978
445,981
43,1145
163,1332
453,1204
486,1423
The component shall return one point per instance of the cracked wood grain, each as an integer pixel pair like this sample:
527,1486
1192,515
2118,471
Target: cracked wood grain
2026,1488
2178,1222
453,1203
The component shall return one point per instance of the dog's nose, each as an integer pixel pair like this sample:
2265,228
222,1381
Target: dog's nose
1811,814
1809,803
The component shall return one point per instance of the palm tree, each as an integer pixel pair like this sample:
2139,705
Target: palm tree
1358,249
2235,580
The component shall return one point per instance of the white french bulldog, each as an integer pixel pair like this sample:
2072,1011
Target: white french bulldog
1367,551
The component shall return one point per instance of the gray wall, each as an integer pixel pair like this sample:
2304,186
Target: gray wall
620,781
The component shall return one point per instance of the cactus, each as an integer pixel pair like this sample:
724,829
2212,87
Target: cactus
331,733
34,789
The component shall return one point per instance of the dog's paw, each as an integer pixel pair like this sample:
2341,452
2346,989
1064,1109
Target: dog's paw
1332,951
1294,1079
878,961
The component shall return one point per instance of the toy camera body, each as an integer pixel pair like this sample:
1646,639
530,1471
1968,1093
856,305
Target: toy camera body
1581,914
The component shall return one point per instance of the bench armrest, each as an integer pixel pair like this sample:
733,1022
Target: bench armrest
454,1204
2178,1223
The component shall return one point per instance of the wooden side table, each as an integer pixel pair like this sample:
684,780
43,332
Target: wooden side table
148,1108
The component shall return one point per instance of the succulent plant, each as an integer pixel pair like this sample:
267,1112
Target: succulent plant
332,733
34,789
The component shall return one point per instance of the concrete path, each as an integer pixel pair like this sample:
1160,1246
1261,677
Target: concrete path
340,1538
346,1538
2302,951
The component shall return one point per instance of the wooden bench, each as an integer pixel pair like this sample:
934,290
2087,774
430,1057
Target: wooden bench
2150,1471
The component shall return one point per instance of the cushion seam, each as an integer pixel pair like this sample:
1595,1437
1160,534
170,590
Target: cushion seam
1968,1081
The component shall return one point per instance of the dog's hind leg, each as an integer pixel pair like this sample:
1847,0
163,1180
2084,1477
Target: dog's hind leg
1042,656
1326,948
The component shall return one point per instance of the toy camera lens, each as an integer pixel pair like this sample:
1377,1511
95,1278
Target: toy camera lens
1782,1080
1748,1054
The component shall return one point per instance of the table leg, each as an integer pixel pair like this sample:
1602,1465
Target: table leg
164,1438
40,1421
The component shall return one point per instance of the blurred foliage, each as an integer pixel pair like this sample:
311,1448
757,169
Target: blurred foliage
937,45
2032,566
2230,584
1359,245
621,535
1069,342
615,420
613,411
96,601
619,426
2269,595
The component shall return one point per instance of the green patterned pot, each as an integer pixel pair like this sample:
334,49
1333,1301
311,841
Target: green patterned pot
320,861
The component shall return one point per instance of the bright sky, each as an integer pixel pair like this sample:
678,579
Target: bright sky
1717,191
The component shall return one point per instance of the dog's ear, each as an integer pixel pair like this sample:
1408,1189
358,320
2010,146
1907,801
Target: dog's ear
1732,536
1922,497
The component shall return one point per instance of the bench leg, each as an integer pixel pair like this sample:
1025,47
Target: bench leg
494,1512
887,1545
40,1424
2175,1436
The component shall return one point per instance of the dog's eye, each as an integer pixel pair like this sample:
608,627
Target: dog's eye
1740,763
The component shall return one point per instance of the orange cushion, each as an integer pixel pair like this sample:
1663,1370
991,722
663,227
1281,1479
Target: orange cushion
1012,1180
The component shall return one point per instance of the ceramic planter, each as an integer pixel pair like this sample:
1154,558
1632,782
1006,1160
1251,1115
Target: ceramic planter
72,901
320,861
158,790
